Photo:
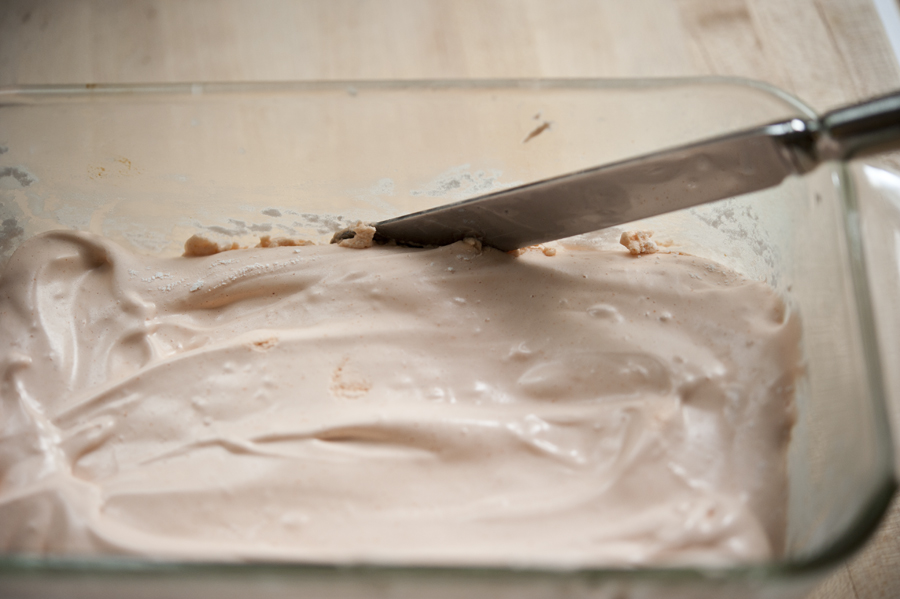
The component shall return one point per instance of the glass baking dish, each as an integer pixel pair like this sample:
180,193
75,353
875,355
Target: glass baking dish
150,165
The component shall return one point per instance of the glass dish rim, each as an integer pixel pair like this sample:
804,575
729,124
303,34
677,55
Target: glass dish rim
854,536
50,93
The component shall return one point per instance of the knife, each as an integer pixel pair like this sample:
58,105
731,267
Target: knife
652,184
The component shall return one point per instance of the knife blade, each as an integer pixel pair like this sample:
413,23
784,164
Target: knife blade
652,184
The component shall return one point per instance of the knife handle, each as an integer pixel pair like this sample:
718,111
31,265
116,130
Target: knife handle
861,129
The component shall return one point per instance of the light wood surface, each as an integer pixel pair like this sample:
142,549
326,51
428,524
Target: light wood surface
827,52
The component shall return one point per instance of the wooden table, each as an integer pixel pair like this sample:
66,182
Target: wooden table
827,52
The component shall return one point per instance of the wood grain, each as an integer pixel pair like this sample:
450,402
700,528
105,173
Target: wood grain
827,52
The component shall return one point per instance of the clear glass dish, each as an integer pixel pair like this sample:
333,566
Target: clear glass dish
150,165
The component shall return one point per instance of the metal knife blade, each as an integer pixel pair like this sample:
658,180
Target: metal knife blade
652,184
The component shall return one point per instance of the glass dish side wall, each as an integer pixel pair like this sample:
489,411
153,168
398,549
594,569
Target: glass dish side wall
149,167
